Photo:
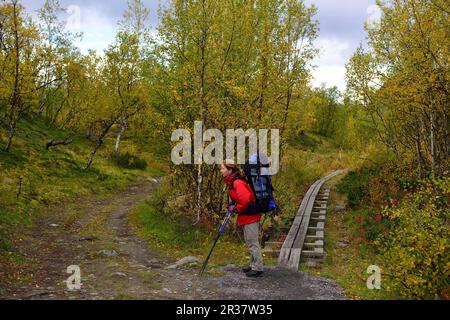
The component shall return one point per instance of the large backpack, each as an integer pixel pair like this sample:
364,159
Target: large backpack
258,178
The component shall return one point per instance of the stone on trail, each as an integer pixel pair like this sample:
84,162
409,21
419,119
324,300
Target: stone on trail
184,261
342,244
230,267
120,274
88,239
108,253
155,264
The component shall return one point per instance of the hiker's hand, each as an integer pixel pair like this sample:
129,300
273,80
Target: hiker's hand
232,208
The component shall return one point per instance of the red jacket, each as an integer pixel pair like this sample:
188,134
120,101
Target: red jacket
242,195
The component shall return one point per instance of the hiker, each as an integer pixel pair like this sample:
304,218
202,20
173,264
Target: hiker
243,197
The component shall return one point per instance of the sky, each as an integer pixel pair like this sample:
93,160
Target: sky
341,29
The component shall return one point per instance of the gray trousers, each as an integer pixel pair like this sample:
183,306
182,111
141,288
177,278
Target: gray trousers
251,235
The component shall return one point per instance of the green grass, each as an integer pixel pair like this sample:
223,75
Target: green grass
305,142
151,279
306,159
33,179
177,239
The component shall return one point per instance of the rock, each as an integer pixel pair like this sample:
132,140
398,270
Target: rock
311,264
166,290
340,209
230,267
184,261
342,244
88,239
108,253
155,264
38,294
54,225
120,274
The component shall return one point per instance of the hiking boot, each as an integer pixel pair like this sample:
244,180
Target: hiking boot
254,274
247,269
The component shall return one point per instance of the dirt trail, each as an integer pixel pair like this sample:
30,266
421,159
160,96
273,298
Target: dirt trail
137,271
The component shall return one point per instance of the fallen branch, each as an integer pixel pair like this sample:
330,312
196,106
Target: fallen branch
52,143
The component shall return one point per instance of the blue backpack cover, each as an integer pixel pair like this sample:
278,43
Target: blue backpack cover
257,174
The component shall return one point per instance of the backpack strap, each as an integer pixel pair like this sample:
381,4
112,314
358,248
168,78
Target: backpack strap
236,178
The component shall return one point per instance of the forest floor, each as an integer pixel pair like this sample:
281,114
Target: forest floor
130,268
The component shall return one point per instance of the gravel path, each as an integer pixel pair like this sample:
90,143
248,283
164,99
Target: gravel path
129,269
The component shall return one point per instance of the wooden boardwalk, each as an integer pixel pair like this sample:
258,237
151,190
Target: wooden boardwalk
305,240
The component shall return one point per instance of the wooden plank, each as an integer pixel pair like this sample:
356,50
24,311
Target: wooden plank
284,257
294,260
303,231
318,219
287,246
289,256
274,243
316,244
318,252
295,255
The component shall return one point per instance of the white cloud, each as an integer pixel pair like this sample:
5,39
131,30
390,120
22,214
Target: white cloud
341,31
332,50
98,30
330,76
334,54
375,14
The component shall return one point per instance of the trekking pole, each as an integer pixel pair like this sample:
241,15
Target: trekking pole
221,231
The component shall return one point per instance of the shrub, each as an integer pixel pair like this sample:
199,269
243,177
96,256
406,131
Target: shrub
355,185
129,161
416,248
